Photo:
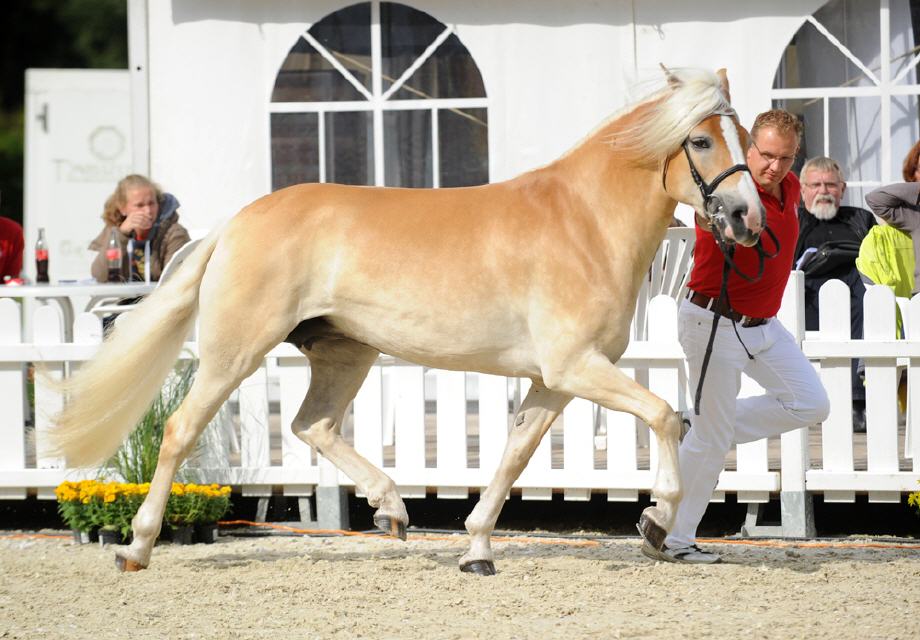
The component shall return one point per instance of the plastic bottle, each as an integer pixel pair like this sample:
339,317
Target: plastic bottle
41,258
113,258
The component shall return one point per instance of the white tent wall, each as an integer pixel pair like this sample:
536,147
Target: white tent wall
746,38
552,72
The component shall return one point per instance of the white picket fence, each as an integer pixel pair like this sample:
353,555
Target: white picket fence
443,432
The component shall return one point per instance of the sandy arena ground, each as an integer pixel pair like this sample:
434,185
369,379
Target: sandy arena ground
299,587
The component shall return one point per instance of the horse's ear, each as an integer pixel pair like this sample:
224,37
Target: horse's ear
723,83
673,81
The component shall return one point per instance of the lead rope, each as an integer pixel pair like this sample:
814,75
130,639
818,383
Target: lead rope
716,316
728,265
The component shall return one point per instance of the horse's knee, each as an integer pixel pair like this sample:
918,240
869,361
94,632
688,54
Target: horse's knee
665,422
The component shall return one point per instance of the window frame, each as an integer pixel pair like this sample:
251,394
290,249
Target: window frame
883,86
378,101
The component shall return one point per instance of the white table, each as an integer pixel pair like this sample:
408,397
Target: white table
62,294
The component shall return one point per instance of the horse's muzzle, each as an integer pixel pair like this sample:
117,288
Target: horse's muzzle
734,220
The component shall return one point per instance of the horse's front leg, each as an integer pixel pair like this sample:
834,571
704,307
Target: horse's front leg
593,377
537,412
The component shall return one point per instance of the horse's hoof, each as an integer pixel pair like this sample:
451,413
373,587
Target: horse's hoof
391,526
652,532
479,567
126,564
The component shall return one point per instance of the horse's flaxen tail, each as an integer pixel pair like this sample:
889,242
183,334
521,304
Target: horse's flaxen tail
109,394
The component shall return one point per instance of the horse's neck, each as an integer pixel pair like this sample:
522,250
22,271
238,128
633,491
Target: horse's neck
623,196
625,204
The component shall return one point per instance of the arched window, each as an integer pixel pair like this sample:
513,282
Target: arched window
850,73
379,93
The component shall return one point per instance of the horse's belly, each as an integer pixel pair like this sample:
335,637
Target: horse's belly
448,343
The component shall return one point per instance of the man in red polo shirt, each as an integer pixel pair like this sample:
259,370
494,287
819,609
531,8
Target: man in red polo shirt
762,348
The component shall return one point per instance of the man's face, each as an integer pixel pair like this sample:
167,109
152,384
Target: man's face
771,155
821,193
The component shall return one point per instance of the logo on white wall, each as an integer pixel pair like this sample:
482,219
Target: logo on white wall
106,143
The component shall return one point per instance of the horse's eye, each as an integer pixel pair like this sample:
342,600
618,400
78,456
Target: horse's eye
701,143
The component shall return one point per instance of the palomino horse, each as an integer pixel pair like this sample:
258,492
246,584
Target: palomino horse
534,277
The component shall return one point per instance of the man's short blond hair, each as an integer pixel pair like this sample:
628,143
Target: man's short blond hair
822,163
784,122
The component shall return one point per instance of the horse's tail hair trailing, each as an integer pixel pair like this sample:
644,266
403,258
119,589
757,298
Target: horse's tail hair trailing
109,395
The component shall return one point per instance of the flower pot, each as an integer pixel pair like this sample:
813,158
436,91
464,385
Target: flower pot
81,537
108,536
206,532
183,534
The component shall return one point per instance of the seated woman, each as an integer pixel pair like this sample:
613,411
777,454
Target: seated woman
146,227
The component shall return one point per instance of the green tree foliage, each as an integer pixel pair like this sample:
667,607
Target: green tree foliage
60,34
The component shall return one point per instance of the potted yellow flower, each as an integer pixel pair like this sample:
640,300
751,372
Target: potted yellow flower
193,510
104,507
182,509
74,512
215,503
107,508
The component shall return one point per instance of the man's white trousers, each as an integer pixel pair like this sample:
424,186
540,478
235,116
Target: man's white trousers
794,398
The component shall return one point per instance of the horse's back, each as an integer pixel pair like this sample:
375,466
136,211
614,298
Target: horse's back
403,270
458,278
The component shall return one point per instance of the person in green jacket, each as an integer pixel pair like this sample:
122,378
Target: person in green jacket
898,205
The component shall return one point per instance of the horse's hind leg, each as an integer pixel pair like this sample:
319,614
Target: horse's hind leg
537,412
595,378
337,370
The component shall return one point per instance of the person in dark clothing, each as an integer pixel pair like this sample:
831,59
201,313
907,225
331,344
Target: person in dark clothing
822,220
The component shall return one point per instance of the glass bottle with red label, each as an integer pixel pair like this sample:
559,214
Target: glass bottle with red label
41,258
113,258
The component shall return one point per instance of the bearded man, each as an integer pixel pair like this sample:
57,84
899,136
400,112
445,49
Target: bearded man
826,231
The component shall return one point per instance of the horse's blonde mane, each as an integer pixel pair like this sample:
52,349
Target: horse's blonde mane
658,125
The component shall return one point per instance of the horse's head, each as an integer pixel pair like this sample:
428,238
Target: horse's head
709,173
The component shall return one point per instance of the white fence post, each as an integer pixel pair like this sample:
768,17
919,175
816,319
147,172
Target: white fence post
578,444
912,436
48,329
451,428
881,390
410,428
622,448
837,430
493,421
12,399
369,418
796,504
